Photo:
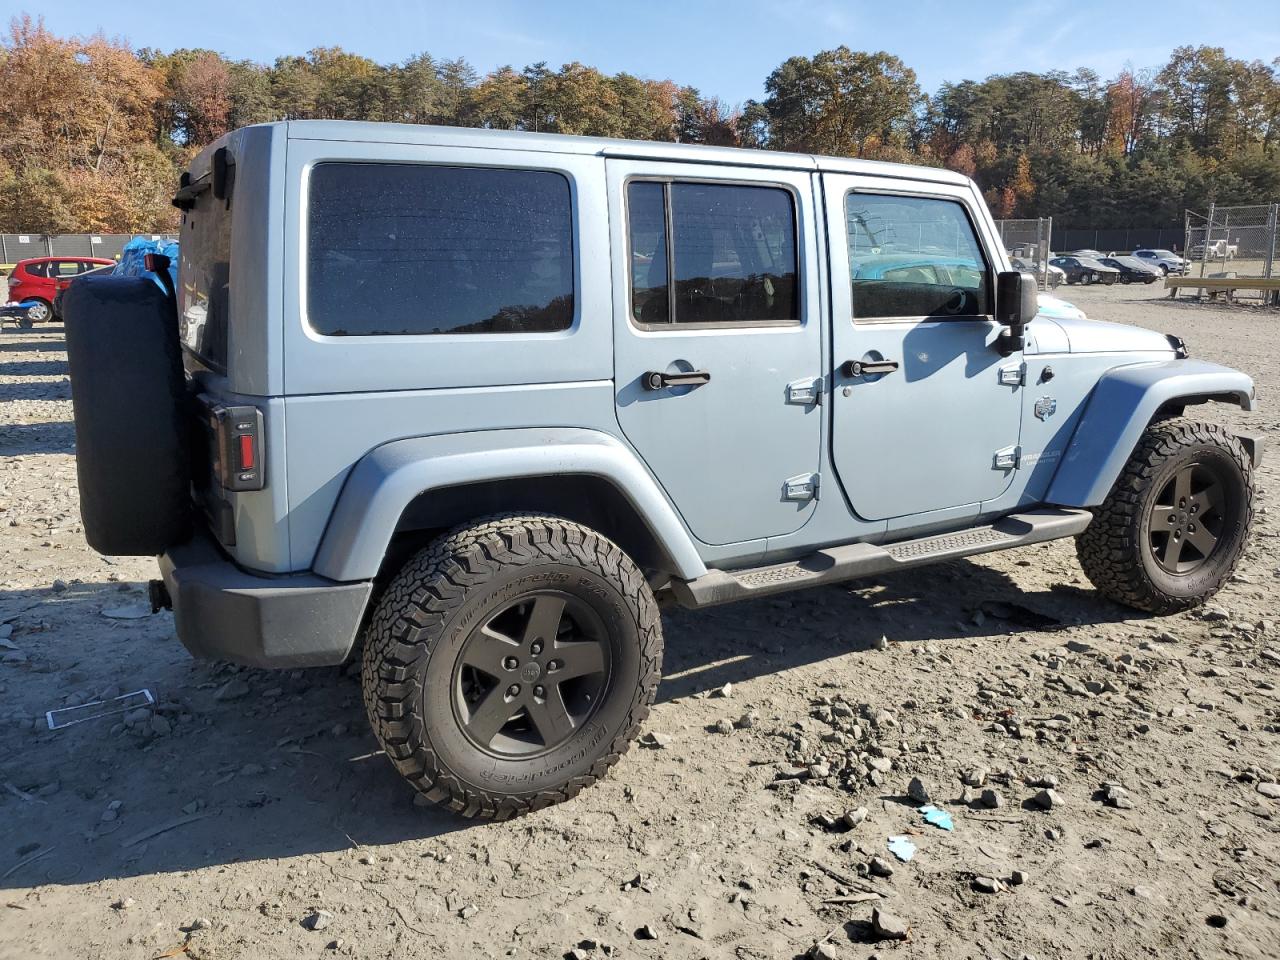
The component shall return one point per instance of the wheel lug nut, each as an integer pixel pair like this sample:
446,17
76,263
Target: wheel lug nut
553,666
513,690
536,647
511,663
539,692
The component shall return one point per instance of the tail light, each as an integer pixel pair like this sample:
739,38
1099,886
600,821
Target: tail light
236,434
14,279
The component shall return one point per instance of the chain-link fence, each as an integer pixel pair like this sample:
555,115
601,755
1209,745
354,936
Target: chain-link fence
1118,240
21,246
1234,242
1028,242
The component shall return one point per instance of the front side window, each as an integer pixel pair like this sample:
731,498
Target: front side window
731,250
417,249
914,257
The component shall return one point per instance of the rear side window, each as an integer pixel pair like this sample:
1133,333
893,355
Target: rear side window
731,250
417,249
914,257
37,269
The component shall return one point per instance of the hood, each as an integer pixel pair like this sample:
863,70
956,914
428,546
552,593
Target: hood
1097,336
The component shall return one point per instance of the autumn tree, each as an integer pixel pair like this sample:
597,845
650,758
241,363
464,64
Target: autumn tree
93,135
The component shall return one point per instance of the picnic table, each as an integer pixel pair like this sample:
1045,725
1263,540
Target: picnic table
1269,287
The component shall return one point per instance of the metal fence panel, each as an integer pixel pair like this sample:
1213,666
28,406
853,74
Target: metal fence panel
21,246
1118,240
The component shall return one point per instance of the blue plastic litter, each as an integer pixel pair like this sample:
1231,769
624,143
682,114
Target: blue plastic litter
902,848
133,264
937,817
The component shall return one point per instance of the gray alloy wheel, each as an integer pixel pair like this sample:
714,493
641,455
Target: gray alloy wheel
1175,524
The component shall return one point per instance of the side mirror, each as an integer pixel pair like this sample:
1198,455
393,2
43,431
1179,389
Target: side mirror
1017,304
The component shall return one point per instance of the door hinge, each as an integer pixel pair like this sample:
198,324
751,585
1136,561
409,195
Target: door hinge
1014,375
805,392
1007,458
801,488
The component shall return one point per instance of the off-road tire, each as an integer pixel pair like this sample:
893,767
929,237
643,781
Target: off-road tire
129,401
418,632
1114,549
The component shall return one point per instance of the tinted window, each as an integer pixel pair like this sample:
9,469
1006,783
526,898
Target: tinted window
647,218
38,269
205,267
913,257
412,249
733,249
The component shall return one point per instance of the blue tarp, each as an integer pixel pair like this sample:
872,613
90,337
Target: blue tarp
131,258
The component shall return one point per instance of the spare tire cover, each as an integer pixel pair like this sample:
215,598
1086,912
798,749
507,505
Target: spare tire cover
129,397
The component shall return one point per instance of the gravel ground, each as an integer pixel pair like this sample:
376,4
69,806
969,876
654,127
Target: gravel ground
250,816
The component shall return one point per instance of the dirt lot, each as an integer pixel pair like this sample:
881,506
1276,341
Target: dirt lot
249,800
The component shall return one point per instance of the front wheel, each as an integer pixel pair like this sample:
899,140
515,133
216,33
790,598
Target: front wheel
1172,530
39,312
509,664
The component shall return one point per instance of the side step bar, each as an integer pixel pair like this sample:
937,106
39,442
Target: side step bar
865,559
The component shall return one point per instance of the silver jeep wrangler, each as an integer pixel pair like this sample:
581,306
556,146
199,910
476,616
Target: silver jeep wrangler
469,404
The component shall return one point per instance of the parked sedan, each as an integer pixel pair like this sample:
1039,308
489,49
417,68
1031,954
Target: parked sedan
1166,261
1132,270
1085,270
1053,275
1088,252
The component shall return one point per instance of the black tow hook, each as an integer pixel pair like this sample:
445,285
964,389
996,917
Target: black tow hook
159,594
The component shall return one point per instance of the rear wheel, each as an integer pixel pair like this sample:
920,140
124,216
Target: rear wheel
1172,530
509,664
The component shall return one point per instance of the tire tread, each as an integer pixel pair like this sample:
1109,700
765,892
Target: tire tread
1108,548
423,596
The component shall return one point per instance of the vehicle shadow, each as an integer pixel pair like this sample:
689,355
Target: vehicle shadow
35,390
24,439
33,368
708,648
253,764
47,339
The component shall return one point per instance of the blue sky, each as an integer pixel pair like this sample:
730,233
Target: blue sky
723,48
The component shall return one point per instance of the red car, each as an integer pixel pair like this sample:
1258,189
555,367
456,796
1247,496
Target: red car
41,278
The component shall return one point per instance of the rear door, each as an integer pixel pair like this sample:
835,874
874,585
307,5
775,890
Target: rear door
926,413
718,340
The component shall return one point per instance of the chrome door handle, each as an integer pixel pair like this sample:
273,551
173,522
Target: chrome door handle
862,368
656,380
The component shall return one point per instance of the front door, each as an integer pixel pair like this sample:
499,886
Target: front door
717,333
926,413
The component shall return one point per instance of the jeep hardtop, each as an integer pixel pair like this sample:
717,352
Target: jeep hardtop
468,405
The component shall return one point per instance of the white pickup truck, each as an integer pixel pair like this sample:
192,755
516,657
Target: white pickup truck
1215,250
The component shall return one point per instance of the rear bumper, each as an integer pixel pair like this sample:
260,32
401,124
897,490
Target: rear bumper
221,612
